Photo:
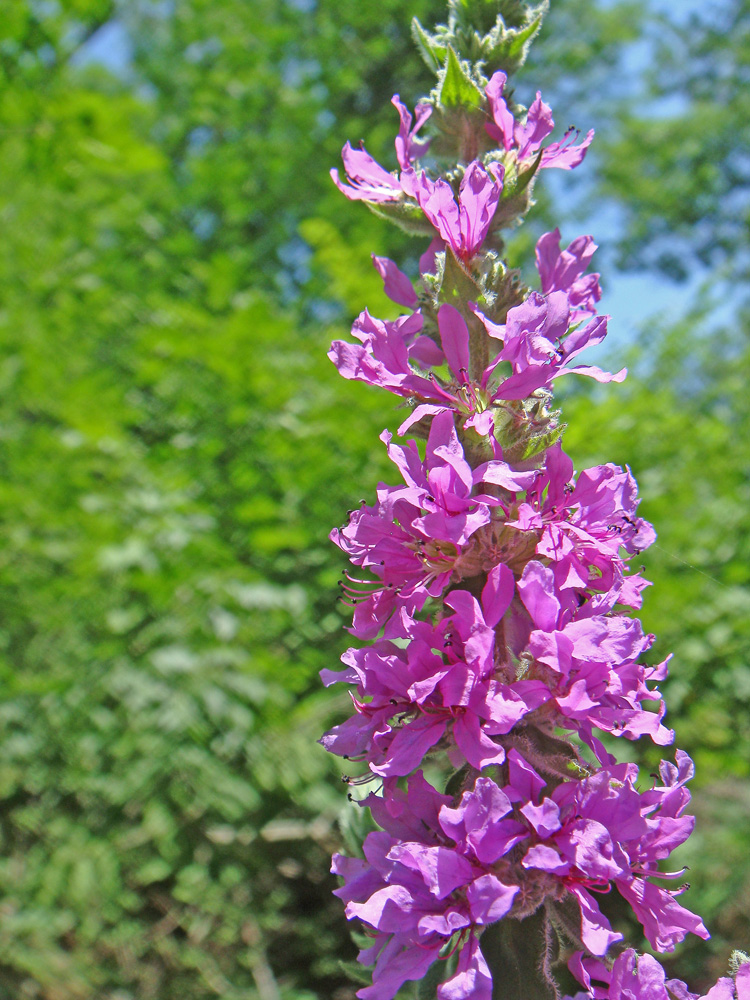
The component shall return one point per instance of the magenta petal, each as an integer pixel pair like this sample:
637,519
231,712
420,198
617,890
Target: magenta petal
428,262
408,147
385,909
396,285
478,198
665,923
472,980
523,778
446,923
476,824
546,859
545,818
423,410
483,423
395,967
410,745
426,353
439,205
501,474
596,933
504,122
743,982
537,590
361,880
564,154
497,593
723,990
454,336
489,900
480,751
539,124
547,256
596,373
442,869
584,967
370,181
643,979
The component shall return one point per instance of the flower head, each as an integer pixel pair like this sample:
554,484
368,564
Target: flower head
525,138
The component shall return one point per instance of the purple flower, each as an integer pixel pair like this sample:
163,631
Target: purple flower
368,181
641,977
563,271
418,537
393,355
526,138
442,686
539,341
595,679
601,831
417,894
463,225
386,354
583,525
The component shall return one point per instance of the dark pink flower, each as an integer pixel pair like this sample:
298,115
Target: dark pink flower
526,138
563,271
601,831
539,341
368,181
462,224
445,685
641,977
418,894
419,536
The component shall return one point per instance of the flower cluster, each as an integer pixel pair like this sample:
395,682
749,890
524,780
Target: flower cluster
495,587
634,977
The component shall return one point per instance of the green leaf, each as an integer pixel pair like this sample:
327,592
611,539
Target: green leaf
526,175
430,49
406,215
457,89
355,972
458,286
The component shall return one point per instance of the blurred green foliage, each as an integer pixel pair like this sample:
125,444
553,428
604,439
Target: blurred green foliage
175,447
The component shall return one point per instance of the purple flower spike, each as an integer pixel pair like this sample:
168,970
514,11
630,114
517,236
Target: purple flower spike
495,586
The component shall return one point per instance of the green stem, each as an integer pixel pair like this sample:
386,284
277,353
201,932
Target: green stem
519,954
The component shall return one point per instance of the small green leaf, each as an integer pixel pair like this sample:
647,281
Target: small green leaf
429,48
355,972
458,286
525,176
520,39
406,215
457,89
536,445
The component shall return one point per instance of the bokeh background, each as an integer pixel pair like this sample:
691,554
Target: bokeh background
175,447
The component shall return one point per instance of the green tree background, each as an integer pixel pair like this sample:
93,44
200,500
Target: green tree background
175,447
